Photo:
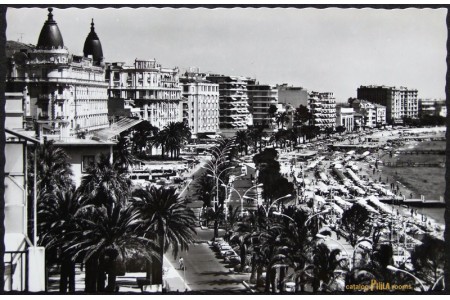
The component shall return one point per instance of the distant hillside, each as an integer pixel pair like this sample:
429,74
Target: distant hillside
13,46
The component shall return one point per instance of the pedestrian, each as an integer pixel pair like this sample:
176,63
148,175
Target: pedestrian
181,263
412,212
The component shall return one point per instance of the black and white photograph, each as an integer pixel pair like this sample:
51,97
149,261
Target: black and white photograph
224,149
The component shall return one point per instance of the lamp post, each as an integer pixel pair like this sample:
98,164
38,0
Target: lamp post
243,196
394,269
316,214
283,215
357,246
321,236
273,203
436,282
216,176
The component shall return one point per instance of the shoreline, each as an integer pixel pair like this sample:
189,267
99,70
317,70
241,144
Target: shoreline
434,214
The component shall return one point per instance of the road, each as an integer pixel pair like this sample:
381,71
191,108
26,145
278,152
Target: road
205,271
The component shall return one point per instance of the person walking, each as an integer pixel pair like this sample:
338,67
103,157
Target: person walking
181,263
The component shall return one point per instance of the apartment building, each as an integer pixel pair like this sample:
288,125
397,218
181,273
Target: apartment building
145,90
323,108
399,102
201,110
260,98
234,114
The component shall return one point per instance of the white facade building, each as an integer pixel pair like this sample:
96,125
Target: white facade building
202,109
345,118
399,102
373,115
67,93
323,108
145,90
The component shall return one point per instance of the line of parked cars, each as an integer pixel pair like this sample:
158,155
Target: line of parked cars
226,251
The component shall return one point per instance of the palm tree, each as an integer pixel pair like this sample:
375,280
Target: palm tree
123,156
242,141
53,169
282,118
272,113
104,238
296,238
168,217
269,245
204,189
256,134
325,262
103,184
173,136
142,133
243,239
57,212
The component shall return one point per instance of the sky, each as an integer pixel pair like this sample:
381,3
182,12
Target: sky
325,50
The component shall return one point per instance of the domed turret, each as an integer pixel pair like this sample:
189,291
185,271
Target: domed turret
50,37
92,46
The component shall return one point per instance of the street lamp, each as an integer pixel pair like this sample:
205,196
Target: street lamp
321,236
394,269
357,246
239,194
216,176
283,215
439,279
319,213
273,203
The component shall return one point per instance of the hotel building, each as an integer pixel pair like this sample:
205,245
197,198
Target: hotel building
65,94
145,90
202,106
399,102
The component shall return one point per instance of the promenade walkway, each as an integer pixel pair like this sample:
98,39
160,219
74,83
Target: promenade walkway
127,283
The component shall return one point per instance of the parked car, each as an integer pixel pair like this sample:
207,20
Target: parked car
289,287
233,259
217,241
226,252
219,245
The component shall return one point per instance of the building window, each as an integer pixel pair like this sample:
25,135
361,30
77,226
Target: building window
88,161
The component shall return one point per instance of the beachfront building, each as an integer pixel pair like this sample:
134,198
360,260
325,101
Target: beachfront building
64,93
432,107
201,110
234,114
380,115
145,90
374,115
292,95
323,109
260,98
345,117
399,102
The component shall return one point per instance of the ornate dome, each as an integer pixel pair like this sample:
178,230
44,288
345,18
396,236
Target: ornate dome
50,37
92,46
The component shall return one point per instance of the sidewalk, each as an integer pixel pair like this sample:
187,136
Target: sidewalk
127,283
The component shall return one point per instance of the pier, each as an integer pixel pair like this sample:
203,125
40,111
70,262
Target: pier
414,202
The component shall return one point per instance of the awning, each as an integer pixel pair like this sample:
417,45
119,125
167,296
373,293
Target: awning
117,128
214,136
